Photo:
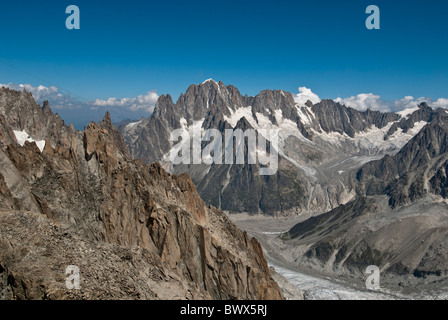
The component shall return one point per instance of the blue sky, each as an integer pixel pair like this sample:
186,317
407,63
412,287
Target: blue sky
127,49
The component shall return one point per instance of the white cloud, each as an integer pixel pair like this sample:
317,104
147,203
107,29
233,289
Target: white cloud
145,102
364,101
407,102
304,95
439,103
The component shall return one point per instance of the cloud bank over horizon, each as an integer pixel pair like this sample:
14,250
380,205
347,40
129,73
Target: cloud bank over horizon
133,108
364,101
80,111
144,102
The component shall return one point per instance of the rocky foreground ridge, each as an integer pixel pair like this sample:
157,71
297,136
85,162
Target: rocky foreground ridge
134,231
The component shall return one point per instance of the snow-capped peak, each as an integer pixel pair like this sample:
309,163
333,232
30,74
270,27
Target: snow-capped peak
209,80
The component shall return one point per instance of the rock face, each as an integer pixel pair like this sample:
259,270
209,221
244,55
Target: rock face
134,231
319,145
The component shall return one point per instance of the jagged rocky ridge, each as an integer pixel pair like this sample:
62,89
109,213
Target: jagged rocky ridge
135,231
319,145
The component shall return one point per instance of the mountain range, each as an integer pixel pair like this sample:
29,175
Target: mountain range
319,146
109,199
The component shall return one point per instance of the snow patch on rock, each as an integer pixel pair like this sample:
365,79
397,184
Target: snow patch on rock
22,136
